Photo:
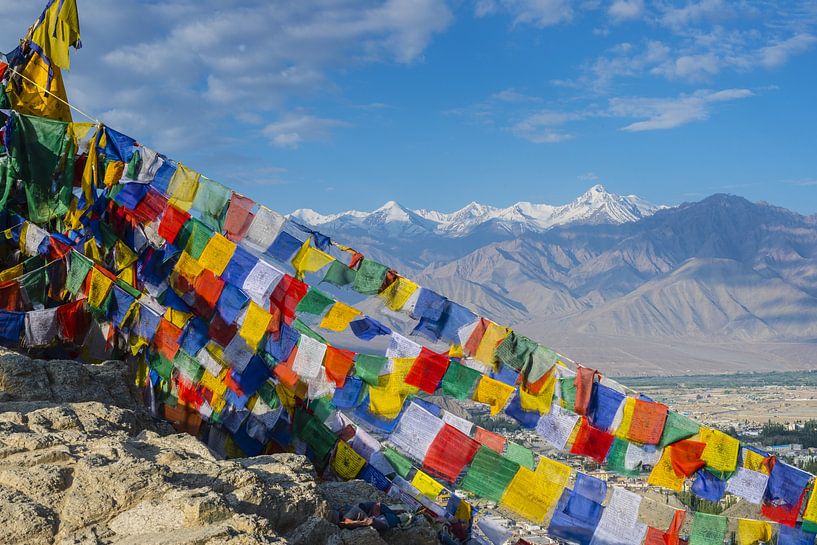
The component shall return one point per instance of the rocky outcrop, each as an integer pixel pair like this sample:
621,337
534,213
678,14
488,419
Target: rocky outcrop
82,464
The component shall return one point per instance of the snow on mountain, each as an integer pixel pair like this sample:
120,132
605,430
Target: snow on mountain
596,206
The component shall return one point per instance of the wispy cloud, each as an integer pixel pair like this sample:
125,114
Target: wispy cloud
669,113
540,13
293,130
624,10
779,54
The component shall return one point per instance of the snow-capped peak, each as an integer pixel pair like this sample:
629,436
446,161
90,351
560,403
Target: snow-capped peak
596,205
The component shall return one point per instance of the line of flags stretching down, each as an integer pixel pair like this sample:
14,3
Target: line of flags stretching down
115,248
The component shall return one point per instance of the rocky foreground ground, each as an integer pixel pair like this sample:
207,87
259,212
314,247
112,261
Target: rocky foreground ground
81,463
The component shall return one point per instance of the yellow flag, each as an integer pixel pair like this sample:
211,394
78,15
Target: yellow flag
539,402
255,324
188,267
217,254
721,452
553,471
213,383
177,317
385,402
494,335
182,187
751,532
398,292
309,259
339,316
58,30
663,474
626,418
113,173
124,256
100,286
12,273
754,461
810,513
493,392
34,94
426,485
531,495
347,463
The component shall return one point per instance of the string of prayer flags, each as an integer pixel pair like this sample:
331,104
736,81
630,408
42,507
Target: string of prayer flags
489,474
592,442
427,371
721,452
493,393
708,529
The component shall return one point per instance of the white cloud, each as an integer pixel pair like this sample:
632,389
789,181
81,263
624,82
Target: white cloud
292,130
178,75
543,127
668,113
539,13
778,54
624,10
695,12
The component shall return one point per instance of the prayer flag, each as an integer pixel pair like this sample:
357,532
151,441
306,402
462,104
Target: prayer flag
309,259
721,452
217,254
489,474
427,371
459,380
450,452
708,529
347,463
492,392
339,316
592,442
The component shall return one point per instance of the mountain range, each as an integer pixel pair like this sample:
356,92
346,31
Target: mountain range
722,284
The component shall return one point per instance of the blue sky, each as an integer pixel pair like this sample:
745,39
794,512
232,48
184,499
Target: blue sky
338,104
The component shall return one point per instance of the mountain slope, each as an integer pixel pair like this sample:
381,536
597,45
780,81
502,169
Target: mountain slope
721,272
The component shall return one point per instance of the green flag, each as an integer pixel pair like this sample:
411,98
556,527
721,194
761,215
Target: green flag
314,302
339,274
400,463
459,380
77,271
676,428
521,455
369,277
368,366
708,529
489,474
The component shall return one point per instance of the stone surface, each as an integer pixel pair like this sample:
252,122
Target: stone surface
81,463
